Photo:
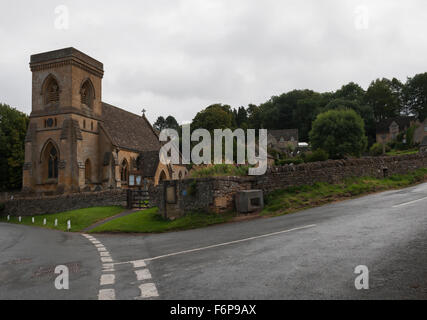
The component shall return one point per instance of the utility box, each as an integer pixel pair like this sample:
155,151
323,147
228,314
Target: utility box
249,201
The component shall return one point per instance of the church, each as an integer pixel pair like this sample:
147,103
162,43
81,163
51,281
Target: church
75,142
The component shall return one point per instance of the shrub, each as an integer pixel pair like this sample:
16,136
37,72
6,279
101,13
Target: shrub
377,149
341,133
316,156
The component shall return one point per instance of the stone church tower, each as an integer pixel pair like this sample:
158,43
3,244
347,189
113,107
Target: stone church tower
75,141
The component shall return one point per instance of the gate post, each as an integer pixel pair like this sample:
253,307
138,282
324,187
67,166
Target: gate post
129,199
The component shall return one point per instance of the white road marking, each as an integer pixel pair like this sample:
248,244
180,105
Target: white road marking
410,202
220,244
106,259
139,264
148,290
107,294
107,279
143,274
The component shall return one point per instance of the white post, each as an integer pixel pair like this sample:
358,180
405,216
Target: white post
56,222
8,218
44,221
69,225
19,219
32,219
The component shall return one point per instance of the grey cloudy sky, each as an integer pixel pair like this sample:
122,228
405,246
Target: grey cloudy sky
179,56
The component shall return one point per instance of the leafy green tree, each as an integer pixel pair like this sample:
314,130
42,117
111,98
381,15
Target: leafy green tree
216,116
385,98
160,123
365,111
13,127
416,95
340,133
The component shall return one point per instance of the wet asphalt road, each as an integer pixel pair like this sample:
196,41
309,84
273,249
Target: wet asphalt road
308,255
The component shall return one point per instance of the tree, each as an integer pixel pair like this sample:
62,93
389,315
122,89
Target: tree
13,127
415,94
168,123
340,133
385,98
216,116
365,111
160,123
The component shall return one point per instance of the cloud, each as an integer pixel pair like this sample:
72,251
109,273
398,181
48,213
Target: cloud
178,56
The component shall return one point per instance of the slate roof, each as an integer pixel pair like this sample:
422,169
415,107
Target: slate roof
287,134
128,130
149,161
403,122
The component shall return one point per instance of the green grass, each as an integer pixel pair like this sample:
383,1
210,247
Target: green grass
150,221
220,170
80,219
298,198
402,152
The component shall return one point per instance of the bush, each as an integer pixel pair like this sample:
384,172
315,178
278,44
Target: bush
316,156
341,133
377,149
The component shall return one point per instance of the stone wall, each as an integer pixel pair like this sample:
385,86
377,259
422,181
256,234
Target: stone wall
334,171
218,194
54,204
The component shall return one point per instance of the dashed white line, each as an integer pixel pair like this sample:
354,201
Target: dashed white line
139,264
148,290
107,294
143,274
107,278
410,202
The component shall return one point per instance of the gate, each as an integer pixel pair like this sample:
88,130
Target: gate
138,199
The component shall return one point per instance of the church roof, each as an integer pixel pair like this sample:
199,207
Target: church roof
149,163
287,134
128,130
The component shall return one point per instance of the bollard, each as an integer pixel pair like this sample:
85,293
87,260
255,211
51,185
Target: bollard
56,222
32,219
69,225
19,219
8,218
44,221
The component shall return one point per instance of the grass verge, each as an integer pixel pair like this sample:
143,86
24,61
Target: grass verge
303,197
149,221
80,219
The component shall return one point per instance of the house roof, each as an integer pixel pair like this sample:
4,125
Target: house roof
287,134
424,142
403,122
128,130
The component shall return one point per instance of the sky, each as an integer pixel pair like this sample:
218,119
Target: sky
176,57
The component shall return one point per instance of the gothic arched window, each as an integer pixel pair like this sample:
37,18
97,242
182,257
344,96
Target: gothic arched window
53,163
87,93
51,91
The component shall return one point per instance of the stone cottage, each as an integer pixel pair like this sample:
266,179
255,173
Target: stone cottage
282,140
77,142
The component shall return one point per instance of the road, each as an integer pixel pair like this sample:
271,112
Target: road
307,255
